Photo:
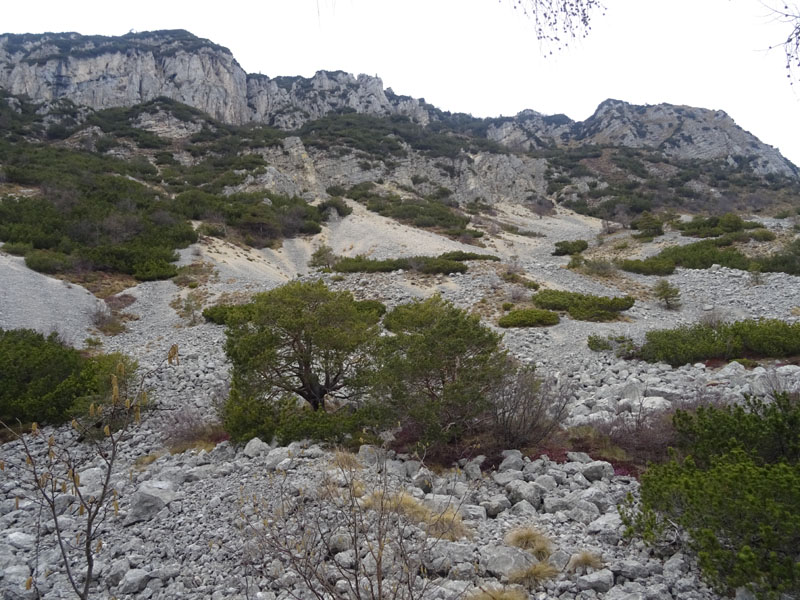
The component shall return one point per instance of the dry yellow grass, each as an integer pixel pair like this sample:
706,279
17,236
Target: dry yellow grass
446,524
584,560
528,538
346,461
534,575
498,594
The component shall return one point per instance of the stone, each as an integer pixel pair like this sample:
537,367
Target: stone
117,571
501,561
597,469
22,541
275,457
583,512
517,491
512,462
495,505
149,500
255,447
134,581
599,581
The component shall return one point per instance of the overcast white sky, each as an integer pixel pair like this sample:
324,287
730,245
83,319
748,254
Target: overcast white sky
481,57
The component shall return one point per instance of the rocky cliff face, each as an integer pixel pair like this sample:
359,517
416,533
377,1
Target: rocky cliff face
103,72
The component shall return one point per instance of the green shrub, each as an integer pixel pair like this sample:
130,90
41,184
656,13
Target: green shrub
766,338
735,489
337,204
649,266
570,247
529,317
598,343
583,307
17,249
762,235
47,261
460,255
421,264
43,380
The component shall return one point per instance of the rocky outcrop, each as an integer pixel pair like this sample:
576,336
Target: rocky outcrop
105,72
681,132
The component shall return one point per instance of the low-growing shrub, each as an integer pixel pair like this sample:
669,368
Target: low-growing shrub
765,338
529,317
460,255
43,380
735,489
337,204
570,247
583,307
421,264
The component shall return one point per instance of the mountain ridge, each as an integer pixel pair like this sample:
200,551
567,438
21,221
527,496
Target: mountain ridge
106,71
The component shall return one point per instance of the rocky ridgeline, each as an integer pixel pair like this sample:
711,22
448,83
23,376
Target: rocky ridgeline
104,72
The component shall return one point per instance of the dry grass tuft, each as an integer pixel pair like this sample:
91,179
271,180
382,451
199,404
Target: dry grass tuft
528,538
584,560
346,461
446,524
534,575
498,594
143,461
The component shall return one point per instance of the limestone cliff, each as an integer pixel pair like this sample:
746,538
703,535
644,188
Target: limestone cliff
102,72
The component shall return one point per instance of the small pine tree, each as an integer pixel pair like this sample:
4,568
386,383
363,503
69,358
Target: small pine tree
667,293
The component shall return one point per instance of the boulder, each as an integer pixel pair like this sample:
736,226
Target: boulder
255,447
134,581
599,581
501,561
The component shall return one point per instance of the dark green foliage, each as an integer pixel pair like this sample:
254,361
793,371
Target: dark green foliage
768,430
785,261
419,212
374,307
221,314
437,369
735,488
529,317
48,261
383,138
43,380
649,266
337,204
570,247
99,221
301,339
598,343
583,307
767,338
648,225
421,264
715,226
669,294
460,255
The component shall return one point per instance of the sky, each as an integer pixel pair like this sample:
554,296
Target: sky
482,57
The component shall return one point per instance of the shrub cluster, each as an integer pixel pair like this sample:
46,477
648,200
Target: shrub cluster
715,226
764,338
426,213
701,255
583,307
529,317
43,380
734,488
570,247
421,264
